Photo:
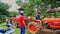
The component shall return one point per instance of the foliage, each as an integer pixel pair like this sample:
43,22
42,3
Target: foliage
18,2
40,5
29,7
52,2
57,14
3,9
13,13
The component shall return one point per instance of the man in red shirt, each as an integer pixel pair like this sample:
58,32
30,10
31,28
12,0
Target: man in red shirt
21,22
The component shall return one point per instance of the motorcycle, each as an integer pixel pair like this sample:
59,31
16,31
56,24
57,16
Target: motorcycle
10,30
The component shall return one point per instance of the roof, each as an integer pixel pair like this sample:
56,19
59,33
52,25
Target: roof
53,10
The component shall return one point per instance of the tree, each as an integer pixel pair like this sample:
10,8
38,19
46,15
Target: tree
18,2
4,9
52,2
13,13
40,5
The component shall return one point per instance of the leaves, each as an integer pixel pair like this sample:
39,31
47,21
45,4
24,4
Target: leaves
3,9
40,5
13,13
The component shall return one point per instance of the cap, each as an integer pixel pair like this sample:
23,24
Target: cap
22,12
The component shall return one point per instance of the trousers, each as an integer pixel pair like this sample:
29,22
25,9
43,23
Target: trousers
22,30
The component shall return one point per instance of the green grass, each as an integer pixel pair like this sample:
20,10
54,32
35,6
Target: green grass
2,25
17,30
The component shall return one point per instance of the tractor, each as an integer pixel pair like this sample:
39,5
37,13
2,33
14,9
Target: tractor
36,27
50,23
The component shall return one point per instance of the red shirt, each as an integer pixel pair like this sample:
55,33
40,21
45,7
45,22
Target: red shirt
21,19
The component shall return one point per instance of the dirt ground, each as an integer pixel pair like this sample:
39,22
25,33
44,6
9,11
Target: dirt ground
45,31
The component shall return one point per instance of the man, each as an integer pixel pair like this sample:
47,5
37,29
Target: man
38,16
6,20
39,19
21,22
11,20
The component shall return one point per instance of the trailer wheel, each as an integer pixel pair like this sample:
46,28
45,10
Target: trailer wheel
57,32
33,27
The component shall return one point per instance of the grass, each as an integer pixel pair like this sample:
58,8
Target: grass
17,30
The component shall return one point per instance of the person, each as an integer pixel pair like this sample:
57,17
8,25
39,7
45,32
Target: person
38,16
21,22
11,20
7,20
29,17
39,19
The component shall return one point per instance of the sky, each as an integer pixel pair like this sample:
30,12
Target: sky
12,3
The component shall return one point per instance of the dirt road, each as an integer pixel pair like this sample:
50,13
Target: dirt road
45,31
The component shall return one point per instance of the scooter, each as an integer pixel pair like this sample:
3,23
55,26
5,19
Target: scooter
10,30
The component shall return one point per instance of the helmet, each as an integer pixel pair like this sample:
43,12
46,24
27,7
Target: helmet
22,12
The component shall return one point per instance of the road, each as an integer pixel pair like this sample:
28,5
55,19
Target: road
45,31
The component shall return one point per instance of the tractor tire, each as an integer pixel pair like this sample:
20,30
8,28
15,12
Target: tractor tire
33,27
57,32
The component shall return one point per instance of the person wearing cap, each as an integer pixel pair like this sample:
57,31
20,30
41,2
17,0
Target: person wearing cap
21,22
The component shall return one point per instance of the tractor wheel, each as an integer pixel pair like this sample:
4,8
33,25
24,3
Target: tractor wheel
33,27
57,32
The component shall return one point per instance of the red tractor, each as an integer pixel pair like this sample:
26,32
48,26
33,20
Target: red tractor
51,23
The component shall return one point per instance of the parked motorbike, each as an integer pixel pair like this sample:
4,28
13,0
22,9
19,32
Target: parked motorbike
9,30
